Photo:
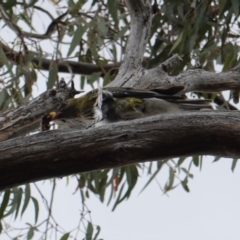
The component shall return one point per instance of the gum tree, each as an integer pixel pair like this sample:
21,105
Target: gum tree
140,44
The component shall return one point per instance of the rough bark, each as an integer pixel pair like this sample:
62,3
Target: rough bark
59,153
27,117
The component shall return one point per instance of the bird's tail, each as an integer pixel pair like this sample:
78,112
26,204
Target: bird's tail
194,104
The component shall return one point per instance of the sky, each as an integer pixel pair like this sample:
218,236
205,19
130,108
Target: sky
210,211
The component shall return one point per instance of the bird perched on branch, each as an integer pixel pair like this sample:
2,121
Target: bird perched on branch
117,104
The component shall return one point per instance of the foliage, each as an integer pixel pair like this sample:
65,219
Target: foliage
95,32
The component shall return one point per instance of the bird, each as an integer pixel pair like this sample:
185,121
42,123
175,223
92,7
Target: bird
113,104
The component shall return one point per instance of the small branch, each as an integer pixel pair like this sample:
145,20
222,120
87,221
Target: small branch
60,153
50,30
63,65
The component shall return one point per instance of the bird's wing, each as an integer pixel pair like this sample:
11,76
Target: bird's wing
139,93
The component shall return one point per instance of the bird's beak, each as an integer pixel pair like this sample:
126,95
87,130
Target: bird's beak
53,116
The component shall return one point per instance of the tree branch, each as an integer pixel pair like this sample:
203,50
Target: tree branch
192,80
141,19
26,118
60,153
63,65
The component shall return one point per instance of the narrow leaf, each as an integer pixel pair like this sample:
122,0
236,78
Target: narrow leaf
235,6
30,233
234,164
177,42
102,27
118,200
76,38
112,7
97,233
171,177
89,232
53,75
184,185
19,199
150,180
195,160
27,196
65,236
181,160
36,207
4,202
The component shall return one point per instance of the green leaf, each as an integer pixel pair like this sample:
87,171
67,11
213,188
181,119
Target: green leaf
30,233
181,160
222,7
93,78
65,236
9,4
235,6
187,172
118,200
112,7
184,185
97,233
53,75
111,182
150,180
171,177
195,160
234,164
102,27
4,202
14,202
32,2
132,177
18,202
27,196
102,187
94,2
89,232
121,33
216,159
5,60
76,38
177,42
36,208
107,78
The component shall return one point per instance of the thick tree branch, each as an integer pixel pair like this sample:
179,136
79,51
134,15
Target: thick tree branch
60,153
192,80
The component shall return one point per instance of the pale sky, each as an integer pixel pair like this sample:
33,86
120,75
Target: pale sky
210,211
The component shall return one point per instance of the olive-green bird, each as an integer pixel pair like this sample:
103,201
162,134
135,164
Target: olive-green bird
117,104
